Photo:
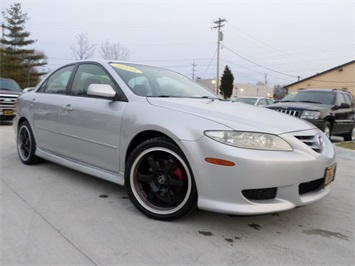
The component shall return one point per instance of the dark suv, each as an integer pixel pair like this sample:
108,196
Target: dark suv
330,110
9,91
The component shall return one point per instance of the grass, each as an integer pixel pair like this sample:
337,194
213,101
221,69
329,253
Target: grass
347,145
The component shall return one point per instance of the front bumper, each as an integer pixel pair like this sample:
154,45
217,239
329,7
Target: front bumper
319,123
221,188
7,114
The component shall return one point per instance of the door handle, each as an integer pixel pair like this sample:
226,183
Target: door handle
67,108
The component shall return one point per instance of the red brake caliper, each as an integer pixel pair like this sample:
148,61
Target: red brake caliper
178,172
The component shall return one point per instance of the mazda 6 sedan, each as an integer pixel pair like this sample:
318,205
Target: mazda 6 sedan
172,143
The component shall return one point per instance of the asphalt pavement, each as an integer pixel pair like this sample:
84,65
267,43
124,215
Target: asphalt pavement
51,215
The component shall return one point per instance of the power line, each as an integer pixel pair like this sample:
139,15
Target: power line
209,64
246,59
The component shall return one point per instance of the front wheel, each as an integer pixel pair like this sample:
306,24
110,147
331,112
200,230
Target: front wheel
26,144
159,181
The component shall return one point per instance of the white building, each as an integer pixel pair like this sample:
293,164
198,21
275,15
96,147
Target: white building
259,90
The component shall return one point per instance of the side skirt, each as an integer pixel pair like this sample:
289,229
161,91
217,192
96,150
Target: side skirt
117,178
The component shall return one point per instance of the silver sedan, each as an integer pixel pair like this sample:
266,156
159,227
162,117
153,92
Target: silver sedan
172,143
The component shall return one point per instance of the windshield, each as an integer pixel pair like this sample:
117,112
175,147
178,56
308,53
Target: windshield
322,97
157,82
9,85
246,100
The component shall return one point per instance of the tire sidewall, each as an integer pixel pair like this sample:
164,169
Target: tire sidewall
189,203
328,127
31,158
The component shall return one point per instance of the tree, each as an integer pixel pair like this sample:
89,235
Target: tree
17,61
279,92
115,51
82,49
227,80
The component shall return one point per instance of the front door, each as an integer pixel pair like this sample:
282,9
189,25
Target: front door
90,127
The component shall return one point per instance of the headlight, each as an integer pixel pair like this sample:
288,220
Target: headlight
310,115
250,140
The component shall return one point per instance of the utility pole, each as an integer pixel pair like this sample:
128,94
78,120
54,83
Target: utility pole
193,70
219,39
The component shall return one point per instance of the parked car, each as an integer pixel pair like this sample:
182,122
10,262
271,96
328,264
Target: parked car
330,110
173,144
257,101
9,91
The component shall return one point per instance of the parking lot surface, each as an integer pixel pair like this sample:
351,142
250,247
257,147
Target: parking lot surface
54,215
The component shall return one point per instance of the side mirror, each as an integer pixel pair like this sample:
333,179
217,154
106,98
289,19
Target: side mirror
101,91
28,89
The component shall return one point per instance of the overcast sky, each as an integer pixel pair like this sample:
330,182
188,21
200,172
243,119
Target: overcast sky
281,39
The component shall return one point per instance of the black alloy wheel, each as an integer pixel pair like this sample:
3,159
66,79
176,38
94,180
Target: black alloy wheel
26,145
159,180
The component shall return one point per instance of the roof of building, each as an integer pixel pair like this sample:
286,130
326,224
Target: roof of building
321,73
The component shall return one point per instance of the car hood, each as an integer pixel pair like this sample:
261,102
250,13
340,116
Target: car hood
10,92
298,105
236,116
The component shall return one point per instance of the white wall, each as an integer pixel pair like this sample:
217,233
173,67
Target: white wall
241,89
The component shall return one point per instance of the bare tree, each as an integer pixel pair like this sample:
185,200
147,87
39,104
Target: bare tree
82,49
114,51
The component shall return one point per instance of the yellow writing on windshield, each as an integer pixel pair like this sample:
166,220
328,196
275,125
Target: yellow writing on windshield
127,68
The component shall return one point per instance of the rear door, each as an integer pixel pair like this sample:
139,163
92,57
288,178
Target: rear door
343,120
45,109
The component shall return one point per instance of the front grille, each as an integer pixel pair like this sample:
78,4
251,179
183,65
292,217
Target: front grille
311,186
7,100
260,194
315,142
295,113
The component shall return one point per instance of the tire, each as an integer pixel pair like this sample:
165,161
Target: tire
327,129
26,144
159,181
351,135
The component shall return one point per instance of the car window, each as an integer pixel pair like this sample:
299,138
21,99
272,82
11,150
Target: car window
86,75
9,85
156,82
340,99
322,97
348,99
140,85
58,81
270,101
262,102
251,101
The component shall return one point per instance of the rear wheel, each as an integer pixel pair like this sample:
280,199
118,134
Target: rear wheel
26,144
159,181
351,135
327,129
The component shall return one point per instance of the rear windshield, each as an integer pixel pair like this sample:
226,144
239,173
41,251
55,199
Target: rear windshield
246,100
9,85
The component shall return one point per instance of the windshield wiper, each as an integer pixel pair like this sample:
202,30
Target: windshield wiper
310,102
